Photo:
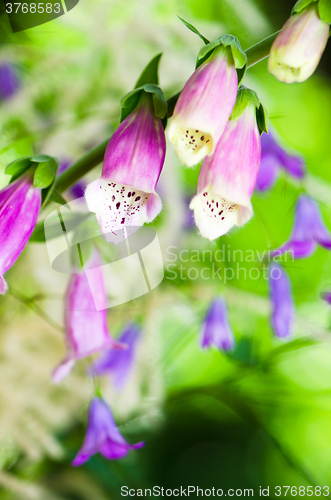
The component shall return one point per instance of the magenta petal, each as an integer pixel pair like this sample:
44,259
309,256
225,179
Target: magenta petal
282,301
216,329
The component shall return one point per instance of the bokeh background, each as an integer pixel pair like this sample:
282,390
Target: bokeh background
259,416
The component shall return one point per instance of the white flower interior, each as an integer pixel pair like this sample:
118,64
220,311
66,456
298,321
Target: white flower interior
192,145
214,215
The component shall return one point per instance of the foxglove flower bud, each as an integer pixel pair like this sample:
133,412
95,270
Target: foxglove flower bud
216,329
102,435
118,363
125,194
309,231
227,178
86,330
204,107
299,46
273,159
282,301
20,204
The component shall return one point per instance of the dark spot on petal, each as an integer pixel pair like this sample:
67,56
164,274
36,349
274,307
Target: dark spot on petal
118,205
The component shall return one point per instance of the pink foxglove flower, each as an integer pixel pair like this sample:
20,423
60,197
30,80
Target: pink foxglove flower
282,301
216,329
299,46
118,363
227,178
86,330
309,230
102,435
20,204
125,194
204,107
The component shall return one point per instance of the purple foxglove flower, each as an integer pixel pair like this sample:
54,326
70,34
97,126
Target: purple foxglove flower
78,189
309,231
282,301
216,329
125,194
204,107
299,46
103,435
8,81
273,159
20,204
227,178
86,330
118,364
327,296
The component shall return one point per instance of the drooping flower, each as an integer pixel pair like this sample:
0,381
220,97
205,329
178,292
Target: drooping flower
299,46
227,178
282,301
102,435
309,231
86,330
204,107
9,82
118,364
216,329
20,204
273,159
125,194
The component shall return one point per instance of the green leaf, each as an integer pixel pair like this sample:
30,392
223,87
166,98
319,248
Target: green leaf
194,30
324,10
238,54
159,102
45,173
54,229
47,193
41,158
245,96
262,118
130,101
18,167
302,4
150,73
58,198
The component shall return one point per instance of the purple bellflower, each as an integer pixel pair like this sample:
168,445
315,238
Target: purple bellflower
204,107
102,435
327,296
118,363
9,82
282,301
216,329
20,204
227,178
299,46
309,231
86,330
125,194
273,159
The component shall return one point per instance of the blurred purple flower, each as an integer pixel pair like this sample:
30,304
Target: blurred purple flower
273,159
102,435
118,364
20,204
216,329
327,296
86,330
282,301
9,82
78,189
309,231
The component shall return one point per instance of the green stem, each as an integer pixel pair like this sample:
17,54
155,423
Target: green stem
95,156
260,50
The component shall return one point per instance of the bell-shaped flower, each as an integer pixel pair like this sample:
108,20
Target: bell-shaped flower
86,330
216,329
118,363
9,82
20,204
227,178
299,46
102,435
280,290
309,230
204,107
125,194
274,158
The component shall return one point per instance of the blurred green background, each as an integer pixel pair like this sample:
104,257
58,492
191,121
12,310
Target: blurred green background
257,417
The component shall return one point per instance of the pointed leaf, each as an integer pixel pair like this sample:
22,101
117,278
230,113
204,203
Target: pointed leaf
45,173
18,167
159,102
302,4
58,198
324,10
238,54
41,158
194,30
150,73
262,119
